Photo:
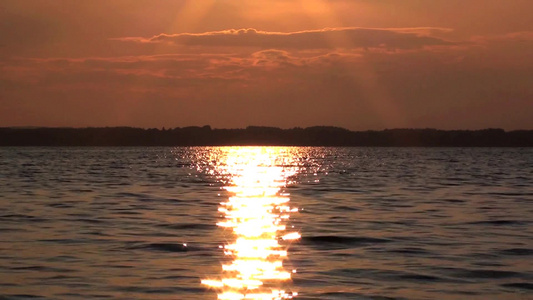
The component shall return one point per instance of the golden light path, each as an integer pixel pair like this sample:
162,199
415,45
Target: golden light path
257,213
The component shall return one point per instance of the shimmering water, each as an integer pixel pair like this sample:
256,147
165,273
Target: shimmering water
375,223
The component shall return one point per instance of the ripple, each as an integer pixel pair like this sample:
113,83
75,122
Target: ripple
407,250
342,207
87,223
21,218
389,275
41,269
516,252
481,273
189,226
346,295
324,240
499,222
166,247
519,285
21,296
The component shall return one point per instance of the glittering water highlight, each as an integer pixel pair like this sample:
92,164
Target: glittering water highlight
376,223
257,213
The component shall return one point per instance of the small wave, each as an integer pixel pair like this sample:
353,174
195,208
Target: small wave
88,220
342,207
516,252
419,277
409,250
41,269
20,296
21,218
161,290
499,222
519,285
310,282
454,200
60,205
166,247
188,226
66,241
346,295
145,197
334,239
339,242
174,277
81,190
481,273
388,275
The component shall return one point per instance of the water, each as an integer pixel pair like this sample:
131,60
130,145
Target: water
375,223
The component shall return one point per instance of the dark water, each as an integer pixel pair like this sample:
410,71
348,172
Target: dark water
376,223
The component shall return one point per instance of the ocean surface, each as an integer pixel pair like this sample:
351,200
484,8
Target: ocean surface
266,223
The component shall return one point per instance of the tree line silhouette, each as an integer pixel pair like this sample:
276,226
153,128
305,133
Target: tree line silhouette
268,136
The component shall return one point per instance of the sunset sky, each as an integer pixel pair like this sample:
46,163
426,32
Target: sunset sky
358,64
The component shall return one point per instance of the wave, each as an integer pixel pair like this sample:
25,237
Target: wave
516,252
499,222
327,241
519,285
166,247
480,273
188,226
20,296
387,275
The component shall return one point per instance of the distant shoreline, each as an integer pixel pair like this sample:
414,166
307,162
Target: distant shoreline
262,136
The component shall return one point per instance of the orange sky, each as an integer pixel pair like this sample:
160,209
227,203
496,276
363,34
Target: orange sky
358,64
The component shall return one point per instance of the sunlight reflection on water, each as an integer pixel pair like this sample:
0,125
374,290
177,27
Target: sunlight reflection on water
376,223
257,212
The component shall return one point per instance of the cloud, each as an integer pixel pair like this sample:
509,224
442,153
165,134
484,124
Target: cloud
478,84
522,36
327,38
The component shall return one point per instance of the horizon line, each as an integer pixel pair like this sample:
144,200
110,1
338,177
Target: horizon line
259,126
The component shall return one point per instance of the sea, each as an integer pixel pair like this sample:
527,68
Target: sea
266,223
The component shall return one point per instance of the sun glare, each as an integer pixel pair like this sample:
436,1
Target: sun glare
257,213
